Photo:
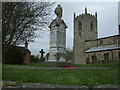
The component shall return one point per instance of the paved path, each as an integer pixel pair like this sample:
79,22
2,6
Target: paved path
13,84
27,67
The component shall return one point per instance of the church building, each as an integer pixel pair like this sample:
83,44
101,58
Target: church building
88,48
26,52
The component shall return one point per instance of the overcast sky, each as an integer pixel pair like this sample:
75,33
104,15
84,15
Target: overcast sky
107,22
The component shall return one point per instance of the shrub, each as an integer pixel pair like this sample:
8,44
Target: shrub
34,59
13,56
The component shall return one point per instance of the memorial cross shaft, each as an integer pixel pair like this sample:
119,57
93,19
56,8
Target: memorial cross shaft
42,52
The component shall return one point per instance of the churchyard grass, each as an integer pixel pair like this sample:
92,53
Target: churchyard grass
112,64
41,64
64,77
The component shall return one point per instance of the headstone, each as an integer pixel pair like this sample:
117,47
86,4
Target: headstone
42,52
57,48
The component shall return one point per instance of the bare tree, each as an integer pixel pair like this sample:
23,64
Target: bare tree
20,20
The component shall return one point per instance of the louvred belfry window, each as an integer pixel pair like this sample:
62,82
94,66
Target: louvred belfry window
91,26
79,26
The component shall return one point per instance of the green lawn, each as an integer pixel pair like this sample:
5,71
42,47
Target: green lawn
65,77
112,65
41,64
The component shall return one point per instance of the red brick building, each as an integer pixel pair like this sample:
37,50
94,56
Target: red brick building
26,52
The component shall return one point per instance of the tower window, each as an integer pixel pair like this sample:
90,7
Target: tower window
79,26
91,26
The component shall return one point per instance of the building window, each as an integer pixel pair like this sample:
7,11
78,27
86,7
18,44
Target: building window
114,40
101,42
94,59
79,26
106,56
91,26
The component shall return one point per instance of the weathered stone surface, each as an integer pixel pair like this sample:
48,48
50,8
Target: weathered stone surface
82,33
56,64
86,37
57,48
73,87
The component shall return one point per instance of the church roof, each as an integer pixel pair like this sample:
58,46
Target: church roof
23,49
103,48
102,38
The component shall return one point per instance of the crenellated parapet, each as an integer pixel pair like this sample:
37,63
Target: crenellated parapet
86,14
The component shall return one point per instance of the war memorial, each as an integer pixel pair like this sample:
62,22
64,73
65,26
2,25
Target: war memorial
57,48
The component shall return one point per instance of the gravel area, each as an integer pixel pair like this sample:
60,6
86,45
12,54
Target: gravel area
27,67
13,84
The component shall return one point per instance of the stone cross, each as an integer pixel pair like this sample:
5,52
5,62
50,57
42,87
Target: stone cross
42,52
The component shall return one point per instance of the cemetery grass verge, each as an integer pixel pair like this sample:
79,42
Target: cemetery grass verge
112,65
41,64
63,77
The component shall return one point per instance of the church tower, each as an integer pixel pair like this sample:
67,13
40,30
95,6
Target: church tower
85,28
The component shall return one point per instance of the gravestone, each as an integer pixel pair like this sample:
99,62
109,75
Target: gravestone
42,52
57,48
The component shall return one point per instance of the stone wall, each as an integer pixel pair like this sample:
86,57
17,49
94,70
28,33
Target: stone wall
103,41
113,55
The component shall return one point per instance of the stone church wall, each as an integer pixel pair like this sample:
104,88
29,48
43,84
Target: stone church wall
82,33
86,37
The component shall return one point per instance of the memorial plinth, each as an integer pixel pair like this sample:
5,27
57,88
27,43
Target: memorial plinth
57,49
